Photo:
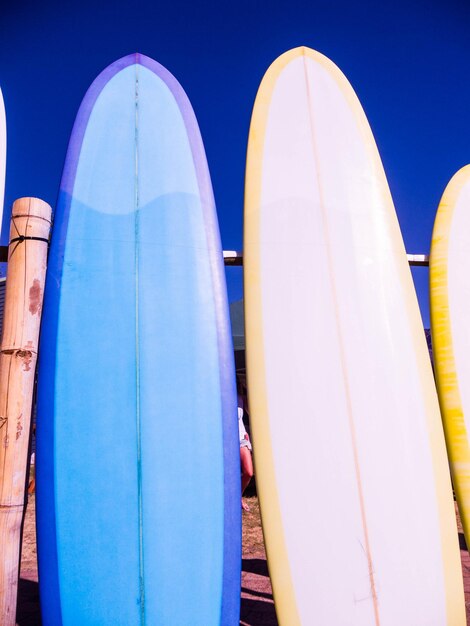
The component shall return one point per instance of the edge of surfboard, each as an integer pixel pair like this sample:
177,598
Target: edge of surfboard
3,150
232,513
283,589
444,359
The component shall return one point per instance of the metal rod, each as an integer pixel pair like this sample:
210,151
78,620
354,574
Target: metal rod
232,257
235,258
418,260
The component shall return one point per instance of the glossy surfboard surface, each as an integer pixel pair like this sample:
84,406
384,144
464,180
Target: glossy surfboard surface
351,468
450,313
138,496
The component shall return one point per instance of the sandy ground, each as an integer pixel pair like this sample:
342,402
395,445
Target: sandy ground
28,595
257,608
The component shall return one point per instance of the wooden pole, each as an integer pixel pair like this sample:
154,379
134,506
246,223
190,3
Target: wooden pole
27,257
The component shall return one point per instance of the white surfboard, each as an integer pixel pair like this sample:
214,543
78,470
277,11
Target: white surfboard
449,267
351,467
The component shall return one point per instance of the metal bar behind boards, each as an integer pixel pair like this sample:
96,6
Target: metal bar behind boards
233,258
418,260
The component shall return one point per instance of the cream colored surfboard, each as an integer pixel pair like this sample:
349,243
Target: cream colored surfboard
349,449
449,274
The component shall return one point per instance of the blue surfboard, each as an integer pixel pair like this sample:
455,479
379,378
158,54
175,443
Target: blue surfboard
138,479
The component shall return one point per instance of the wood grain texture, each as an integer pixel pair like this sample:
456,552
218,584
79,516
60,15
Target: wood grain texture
31,217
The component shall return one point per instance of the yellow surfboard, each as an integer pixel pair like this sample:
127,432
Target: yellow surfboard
352,474
449,275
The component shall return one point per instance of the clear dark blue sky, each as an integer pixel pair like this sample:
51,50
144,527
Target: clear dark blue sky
409,62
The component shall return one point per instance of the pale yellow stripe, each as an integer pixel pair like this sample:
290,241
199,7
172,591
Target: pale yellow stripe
444,358
279,569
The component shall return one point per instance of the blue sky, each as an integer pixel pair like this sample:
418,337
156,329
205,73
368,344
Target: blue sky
409,62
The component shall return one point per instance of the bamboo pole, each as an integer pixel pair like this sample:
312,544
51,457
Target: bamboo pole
27,257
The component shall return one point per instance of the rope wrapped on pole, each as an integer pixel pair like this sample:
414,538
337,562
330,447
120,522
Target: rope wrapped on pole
27,257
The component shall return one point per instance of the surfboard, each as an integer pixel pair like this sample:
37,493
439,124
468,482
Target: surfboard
450,306
138,479
350,460
3,152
